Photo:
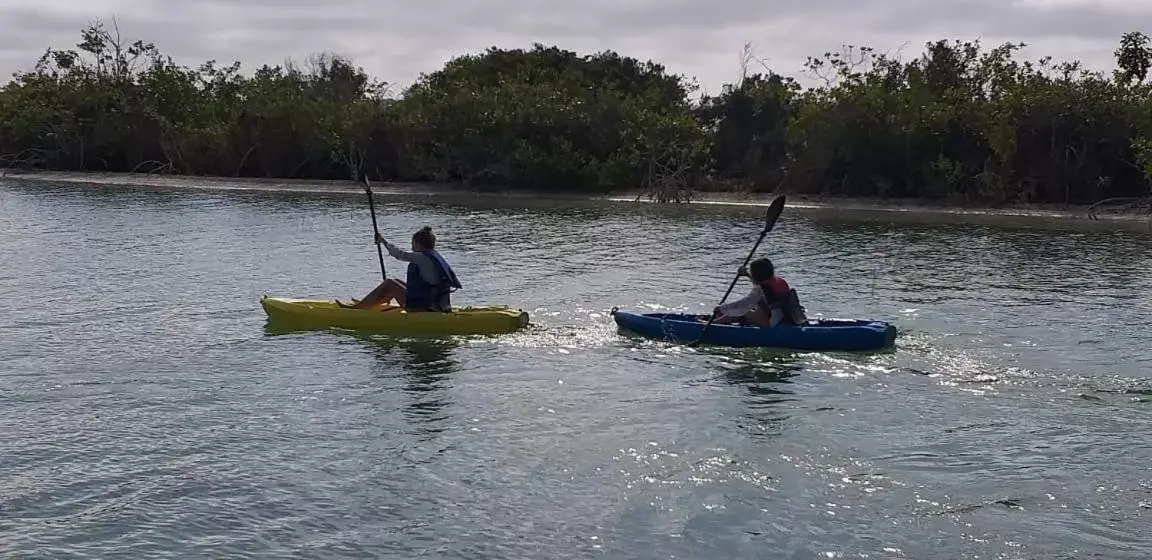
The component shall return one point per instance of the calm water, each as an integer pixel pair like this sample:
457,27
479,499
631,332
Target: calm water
148,412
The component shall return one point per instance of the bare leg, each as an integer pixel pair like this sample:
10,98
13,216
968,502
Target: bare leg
388,290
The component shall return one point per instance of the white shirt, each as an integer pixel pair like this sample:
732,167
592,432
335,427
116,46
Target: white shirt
746,304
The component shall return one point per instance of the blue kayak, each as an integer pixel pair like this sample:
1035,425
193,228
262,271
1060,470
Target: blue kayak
813,335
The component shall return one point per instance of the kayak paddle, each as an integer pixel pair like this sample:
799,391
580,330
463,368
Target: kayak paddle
372,208
770,218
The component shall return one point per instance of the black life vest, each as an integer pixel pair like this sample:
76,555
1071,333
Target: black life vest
435,297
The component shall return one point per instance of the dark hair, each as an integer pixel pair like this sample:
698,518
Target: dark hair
761,270
425,238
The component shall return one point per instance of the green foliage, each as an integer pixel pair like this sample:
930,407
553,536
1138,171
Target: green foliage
958,122
545,118
962,122
108,106
1134,57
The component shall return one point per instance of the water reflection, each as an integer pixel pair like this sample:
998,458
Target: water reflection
423,365
766,375
427,364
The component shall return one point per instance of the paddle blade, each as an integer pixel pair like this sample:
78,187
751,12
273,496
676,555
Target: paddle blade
773,213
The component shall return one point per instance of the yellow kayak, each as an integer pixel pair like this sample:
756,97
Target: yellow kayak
392,319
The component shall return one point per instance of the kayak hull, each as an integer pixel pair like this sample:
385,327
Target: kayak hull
824,335
317,313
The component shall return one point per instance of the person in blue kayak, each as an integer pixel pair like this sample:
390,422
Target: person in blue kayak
430,279
771,302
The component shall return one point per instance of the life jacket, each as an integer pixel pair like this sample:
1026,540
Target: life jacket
775,287
435,297
779,295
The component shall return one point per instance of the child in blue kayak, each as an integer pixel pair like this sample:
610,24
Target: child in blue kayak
770,303
430,279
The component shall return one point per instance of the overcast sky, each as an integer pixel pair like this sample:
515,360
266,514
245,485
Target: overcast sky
395,41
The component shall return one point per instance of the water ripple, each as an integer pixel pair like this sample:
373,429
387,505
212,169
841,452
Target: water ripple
150,413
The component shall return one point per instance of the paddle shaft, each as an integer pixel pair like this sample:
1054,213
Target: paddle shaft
375,229
732,286
774,211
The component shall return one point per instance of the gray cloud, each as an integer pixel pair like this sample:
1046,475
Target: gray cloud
1020,21
396,41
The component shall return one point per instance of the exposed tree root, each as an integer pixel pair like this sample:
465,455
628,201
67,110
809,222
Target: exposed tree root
30,158
1129,205
154,167
667,180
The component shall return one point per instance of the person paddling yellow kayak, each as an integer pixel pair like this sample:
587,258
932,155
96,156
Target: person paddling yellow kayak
430,280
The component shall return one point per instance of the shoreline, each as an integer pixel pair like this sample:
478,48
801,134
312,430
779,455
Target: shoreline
879,207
